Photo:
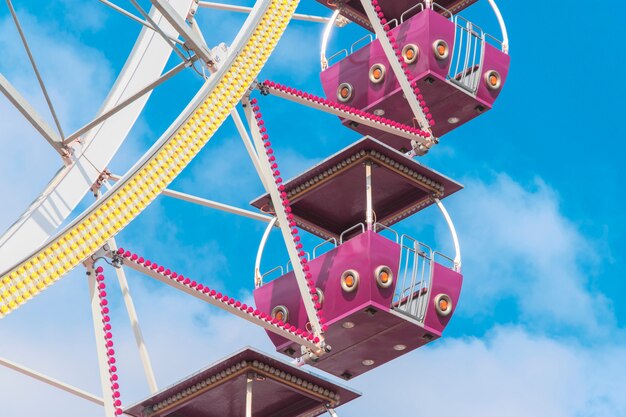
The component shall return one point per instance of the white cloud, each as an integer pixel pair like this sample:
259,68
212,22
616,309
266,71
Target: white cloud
517,244
510,373
77,77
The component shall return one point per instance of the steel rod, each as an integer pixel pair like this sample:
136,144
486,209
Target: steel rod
455,237
249,382
107,392
395,66
192,41
158,30
51,381
24,107
34,65
121,106
134,322
281,214
210,203
135,18
222,305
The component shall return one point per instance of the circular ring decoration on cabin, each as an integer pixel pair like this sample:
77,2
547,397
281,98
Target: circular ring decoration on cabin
493,80
320,296
377,73
384,276
345,92
441,49
280,313
410,53
443,305
350,280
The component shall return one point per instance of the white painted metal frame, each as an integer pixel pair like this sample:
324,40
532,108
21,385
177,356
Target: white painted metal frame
226,307
51,381
33,63
258,278
353,117
64,192
326,37
130,100
455,237
281,214
24,107
503,29
210,204
134,322
249,383
107,392
396,67
192,40
135,18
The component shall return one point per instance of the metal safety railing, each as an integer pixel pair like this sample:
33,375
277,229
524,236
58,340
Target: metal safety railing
468,54
414,279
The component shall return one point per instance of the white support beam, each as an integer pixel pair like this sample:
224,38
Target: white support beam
134,322
349,116
24,107
135,18
107,392
395,66
221,304
281,214
127,102
192,40
249,383
210,203
33,63
244,9
243,133
51,381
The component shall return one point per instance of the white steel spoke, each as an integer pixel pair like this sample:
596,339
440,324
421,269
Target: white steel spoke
244,9
107,392
51,381
192,40
120,106
134,322
135,18
395,66
31,115
281,214
34,65
210,204
158,29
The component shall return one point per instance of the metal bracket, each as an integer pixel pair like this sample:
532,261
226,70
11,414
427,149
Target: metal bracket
105,175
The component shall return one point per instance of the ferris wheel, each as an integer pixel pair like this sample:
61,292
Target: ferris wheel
366,294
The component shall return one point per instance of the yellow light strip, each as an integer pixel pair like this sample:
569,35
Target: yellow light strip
129,198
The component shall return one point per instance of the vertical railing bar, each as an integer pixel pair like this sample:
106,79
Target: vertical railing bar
413,276
475,74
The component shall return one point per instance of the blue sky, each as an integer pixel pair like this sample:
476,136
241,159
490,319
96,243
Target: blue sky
540,327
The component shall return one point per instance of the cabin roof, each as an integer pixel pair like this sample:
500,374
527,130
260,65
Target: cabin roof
330,197
220,390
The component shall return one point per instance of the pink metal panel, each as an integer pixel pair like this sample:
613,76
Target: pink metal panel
495,60
364,253
444,281
446,100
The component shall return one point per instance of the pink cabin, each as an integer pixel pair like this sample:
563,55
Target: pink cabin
459,68
382,294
